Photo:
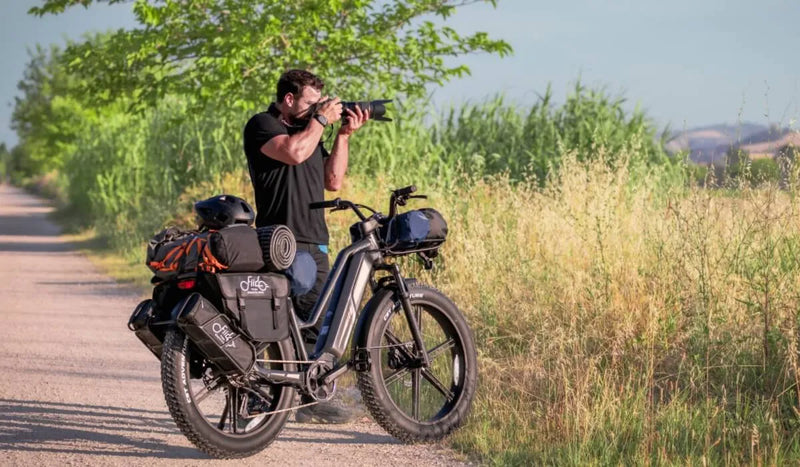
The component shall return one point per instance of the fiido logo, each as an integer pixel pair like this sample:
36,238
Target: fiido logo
224,335
253,284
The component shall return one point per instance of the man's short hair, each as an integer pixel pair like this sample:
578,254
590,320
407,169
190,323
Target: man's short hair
293,81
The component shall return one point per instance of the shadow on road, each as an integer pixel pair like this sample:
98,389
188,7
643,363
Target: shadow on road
36,426
11,224
343,436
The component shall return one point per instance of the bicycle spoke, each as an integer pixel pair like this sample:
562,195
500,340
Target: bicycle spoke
446,345
233,394
400,346
201,395
448,394
224,415
395,376
415,380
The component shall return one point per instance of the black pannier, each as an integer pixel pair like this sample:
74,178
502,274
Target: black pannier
258,302
143,316
419,230
236,248
214,335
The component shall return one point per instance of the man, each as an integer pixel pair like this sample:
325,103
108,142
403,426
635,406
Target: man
290,169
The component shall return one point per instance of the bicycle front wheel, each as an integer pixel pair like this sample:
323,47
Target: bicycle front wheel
412,402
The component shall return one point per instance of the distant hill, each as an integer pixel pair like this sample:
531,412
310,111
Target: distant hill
708,144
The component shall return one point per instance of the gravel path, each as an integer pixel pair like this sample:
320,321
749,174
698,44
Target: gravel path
77,388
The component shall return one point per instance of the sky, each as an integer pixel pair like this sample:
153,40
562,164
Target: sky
686,63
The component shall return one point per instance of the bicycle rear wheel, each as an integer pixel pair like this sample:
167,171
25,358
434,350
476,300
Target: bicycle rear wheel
215,415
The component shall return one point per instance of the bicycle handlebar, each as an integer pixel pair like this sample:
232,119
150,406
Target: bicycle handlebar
334,203
399,197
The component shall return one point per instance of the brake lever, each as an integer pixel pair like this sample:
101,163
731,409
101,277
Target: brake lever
419,196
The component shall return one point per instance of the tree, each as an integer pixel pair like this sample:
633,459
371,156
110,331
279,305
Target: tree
5,158
786,158
764,170
234,50
46,117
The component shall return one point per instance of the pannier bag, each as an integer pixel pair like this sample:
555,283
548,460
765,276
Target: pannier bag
277,245
143,315
214,335
236,248
421,229
258,302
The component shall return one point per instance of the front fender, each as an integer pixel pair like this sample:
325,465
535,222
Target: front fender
379,300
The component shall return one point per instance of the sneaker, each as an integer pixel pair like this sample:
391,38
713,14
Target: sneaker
324,412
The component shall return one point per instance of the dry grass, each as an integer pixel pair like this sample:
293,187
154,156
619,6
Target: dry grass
617,324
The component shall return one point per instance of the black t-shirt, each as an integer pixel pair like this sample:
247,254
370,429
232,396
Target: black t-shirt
283,192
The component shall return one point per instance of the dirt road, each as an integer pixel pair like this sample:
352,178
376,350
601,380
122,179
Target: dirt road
77,388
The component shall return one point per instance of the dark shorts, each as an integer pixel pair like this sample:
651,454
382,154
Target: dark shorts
304,304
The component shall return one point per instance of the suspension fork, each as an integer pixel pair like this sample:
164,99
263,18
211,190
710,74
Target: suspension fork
402,289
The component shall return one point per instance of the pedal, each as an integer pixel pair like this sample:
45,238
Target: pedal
361,361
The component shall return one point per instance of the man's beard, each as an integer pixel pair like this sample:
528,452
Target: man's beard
300,119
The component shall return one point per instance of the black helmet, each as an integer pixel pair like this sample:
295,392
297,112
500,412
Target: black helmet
222,210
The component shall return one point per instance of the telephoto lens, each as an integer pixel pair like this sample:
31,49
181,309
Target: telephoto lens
376,109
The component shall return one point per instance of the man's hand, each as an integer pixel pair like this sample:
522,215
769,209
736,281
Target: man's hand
355,120
331,109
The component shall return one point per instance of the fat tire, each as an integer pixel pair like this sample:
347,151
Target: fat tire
375,395
191,421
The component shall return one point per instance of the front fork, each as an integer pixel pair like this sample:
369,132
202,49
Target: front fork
402,289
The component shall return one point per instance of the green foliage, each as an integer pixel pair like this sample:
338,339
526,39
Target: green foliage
737,163
495,137
5,159
530,142
764,170
48,118
132,168
232,51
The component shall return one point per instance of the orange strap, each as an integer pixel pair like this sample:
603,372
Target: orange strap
172,256
210,262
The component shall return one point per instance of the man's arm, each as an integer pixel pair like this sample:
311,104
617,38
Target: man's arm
336,165
295,149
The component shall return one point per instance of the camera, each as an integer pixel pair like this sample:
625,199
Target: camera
377,109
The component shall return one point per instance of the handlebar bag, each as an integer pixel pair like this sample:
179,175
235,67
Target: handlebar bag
414,230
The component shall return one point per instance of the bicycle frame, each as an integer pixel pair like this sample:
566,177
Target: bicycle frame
340,298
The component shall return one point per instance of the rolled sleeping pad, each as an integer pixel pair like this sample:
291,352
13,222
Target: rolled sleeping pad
278,246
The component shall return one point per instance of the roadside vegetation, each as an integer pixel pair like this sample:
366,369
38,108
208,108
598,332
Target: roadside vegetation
629,307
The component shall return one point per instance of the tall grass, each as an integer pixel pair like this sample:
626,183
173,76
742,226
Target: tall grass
130,171
616,326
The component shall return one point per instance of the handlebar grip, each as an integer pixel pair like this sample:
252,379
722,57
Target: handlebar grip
334,203
405,191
